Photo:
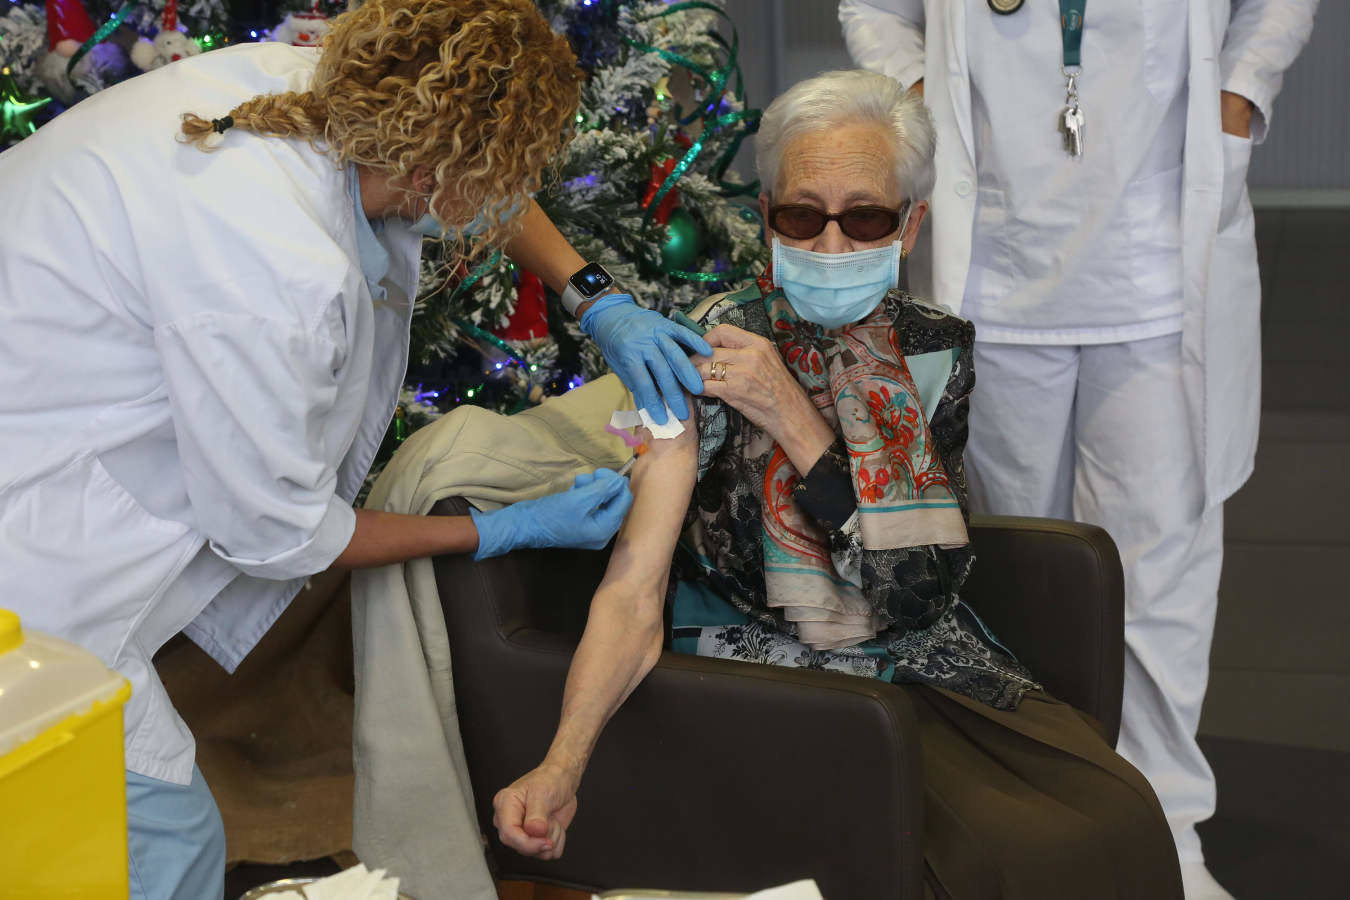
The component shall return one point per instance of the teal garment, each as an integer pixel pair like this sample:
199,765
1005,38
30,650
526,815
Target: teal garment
695,607
370,249
705,624
930,372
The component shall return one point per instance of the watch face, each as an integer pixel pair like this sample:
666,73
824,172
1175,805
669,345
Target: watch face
591,280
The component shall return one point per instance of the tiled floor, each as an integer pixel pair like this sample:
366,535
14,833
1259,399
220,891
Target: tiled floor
1282,831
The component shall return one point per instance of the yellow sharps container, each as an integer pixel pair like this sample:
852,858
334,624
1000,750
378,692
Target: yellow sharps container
63,814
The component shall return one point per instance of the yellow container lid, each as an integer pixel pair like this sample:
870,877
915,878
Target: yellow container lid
44,680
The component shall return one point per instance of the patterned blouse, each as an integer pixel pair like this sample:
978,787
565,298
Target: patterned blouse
719,602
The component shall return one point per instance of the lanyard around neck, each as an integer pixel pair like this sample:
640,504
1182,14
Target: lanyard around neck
1071,26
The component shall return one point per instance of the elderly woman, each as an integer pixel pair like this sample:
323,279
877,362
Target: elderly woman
827,529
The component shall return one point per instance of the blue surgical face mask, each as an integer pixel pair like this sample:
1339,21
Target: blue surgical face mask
835,289
430,226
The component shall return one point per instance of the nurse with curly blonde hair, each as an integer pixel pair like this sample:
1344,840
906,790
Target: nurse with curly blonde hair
204,319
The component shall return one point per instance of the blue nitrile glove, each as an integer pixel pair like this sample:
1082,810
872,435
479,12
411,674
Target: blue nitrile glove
586,516
642,345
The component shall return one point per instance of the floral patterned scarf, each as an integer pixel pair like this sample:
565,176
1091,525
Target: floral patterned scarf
859,380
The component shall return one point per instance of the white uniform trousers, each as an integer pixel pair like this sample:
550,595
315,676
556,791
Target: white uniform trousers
1101,434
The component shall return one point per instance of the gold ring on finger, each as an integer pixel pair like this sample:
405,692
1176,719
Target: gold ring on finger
718,370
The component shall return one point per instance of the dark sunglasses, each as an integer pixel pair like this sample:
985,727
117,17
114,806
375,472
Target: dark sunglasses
861,223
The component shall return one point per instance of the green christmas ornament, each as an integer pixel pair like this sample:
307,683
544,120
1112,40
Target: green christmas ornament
16,111
684,242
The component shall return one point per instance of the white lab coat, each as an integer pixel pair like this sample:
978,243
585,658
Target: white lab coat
194,376
1241,46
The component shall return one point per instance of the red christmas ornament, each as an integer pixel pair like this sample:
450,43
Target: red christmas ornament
68,20
530,320
660,172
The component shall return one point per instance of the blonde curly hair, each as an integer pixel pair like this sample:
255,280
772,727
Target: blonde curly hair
480,92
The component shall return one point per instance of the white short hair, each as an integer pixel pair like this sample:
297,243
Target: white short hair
848,97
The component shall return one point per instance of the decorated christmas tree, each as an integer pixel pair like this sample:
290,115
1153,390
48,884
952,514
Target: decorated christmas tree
58,52
644,188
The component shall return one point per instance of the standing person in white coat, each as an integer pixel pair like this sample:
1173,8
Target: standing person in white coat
1111,275
200,351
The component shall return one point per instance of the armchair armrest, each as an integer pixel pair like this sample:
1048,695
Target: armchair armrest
1054,593
714,775
718,775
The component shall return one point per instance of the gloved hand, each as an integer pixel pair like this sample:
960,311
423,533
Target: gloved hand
641,345
586,516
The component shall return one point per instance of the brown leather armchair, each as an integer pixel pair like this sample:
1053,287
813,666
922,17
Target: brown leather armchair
719,775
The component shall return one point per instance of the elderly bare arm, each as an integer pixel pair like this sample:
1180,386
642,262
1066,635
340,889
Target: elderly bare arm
621,643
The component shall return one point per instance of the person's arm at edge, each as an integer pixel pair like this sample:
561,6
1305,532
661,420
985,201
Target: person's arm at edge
621,643
1263,39
886,36
541,248
384,538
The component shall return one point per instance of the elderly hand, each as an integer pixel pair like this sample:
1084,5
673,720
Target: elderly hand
642,345
756,381
533,813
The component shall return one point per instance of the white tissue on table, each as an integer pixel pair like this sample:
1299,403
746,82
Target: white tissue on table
797,890
356,883
630,418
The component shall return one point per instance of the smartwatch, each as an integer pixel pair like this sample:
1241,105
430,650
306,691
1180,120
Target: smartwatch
588,283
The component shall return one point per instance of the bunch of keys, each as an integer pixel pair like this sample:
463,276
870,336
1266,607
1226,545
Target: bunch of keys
1071,118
